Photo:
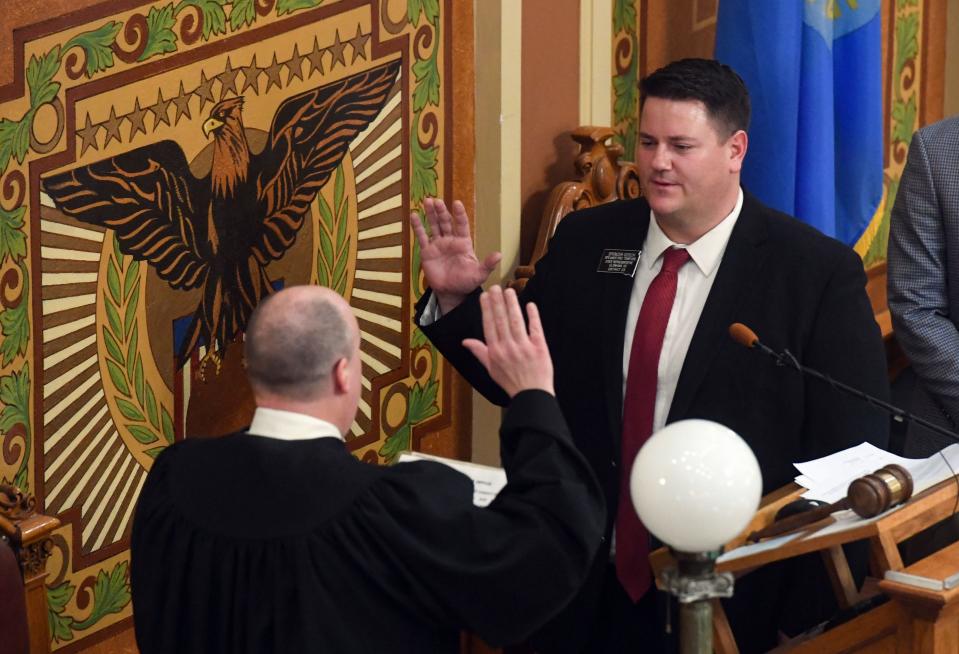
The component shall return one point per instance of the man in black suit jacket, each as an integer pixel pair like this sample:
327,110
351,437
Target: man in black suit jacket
793,286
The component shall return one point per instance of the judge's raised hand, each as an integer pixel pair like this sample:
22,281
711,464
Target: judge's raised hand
447,256
515,359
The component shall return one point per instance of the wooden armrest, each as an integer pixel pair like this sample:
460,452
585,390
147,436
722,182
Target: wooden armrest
29,532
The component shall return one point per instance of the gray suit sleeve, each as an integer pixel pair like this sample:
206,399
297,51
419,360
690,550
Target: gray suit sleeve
918,288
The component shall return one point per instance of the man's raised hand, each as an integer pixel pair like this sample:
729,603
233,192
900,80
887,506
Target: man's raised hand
447,256
515,359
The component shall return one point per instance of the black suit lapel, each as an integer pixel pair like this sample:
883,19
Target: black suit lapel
740,266
616,295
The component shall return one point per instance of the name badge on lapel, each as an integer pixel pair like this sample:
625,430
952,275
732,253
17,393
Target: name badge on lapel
619,262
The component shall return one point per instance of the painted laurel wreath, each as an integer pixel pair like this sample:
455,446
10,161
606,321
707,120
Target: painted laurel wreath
146,420
334,252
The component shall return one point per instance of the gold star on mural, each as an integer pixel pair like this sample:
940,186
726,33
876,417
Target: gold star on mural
205,90
160,110
273,75
112,127
228,79
358,43
136,118
182,102
251,76
295,65
88,136
316,58
336,50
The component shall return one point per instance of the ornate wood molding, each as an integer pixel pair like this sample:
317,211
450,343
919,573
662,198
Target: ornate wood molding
601,178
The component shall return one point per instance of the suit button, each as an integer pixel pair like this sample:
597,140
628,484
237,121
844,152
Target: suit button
612,463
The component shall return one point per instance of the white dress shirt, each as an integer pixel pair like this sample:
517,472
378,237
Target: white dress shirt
692,288
290,426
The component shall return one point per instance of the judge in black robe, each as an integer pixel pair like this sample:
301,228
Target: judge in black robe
258,543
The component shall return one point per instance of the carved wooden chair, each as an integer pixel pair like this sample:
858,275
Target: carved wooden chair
600,177
25,545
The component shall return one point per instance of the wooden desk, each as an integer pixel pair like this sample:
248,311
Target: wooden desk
918,620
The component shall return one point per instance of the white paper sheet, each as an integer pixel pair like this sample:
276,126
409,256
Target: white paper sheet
488,481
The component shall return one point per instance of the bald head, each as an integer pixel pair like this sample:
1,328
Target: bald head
294,340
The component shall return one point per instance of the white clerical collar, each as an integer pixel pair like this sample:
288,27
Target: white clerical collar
707,251
290,426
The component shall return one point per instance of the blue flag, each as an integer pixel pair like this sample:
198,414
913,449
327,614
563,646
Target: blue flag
814,73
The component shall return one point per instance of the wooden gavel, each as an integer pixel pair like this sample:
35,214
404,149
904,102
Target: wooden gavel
867,496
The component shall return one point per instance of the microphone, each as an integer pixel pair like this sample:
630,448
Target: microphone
748,339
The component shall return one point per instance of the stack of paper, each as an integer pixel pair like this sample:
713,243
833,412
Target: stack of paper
828,478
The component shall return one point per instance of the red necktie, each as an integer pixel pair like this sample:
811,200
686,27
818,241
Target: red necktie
632,539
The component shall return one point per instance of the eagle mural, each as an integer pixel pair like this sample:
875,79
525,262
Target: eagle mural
220,231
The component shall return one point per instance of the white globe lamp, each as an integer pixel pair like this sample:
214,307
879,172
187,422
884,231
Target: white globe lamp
696,485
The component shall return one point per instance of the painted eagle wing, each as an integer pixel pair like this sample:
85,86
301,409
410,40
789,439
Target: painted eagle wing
309,137
151,201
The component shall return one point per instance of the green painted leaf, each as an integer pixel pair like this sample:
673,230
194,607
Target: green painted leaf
160,36
338,183
214,18
138,379
341,222
151,406
129,316
132,354
111,593
398,442
144,435
96,46
424,177
624,16
129,411
118,378
13,242
418,339
113,348
154,452
423,402
326,215
339,270
15,328
878,247
289,6
15,392
167,424
322,272
113,281
430,8
626,91
57,598
40,74
326,246
21,137
242,13
904,120
8,129
113,318
15,395
132,278
427,77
